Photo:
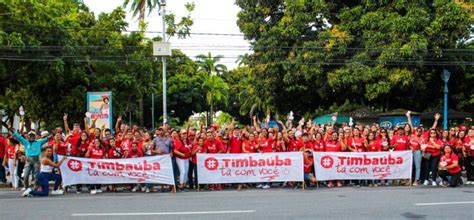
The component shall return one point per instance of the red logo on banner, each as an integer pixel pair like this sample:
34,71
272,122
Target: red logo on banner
211,163
327,162
74,165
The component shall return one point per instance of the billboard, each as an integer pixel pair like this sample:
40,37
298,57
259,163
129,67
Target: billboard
99,105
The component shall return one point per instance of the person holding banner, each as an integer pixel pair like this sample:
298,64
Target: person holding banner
95,151
373,145
265,145
334,145
134,152
308,165
449,167
356,144
47,174
213,146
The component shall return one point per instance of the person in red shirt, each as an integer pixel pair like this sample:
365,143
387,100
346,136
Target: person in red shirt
59,147
9,160
415,142
307,168
81,146
290,141
372,144
3,146
280,145
449,166
304,143
265,142
334,145
213,146
431,154
400,141
182,152
318,144
356,143
198,148
468,152
250,145
95,151
134,152
235,141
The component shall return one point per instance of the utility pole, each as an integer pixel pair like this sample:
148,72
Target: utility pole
163,59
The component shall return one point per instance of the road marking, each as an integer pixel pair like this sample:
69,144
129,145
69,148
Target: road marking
163,213
444,203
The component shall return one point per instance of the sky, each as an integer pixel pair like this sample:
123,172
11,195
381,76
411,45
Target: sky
209,16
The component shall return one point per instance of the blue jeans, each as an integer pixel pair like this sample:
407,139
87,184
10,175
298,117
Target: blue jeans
417,163
43,179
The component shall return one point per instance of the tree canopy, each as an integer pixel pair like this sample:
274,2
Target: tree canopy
311,55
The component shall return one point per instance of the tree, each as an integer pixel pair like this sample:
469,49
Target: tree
383,54
210,64
216,91
138,7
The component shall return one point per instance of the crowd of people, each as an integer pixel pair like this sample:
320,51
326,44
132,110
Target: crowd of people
439,156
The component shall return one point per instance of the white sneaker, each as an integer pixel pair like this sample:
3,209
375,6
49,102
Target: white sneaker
134,189
93,192
99,190
259,186
57,192
147,190
425,183
434,183
143,189
266,187
26,192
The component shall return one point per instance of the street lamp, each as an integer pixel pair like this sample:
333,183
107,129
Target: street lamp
445,76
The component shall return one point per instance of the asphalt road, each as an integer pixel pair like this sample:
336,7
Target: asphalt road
341,203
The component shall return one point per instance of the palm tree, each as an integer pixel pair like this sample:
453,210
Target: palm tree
216,90
139,7
209,64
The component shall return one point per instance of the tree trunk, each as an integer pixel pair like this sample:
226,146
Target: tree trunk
141,16
211,113
142,113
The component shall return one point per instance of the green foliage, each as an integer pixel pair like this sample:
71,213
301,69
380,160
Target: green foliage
311,55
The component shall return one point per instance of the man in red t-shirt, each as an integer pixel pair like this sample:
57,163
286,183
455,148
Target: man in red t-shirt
235,141
213,146
400,141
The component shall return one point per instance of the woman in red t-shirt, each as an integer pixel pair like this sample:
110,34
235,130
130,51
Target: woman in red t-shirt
334,145
357,142
318,144
468,152
415,142
9,159
80,148
182,152
249,146
431,152
449,166
198,148
95,151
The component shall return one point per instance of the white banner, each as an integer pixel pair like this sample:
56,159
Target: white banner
363,166
156,169
250,168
